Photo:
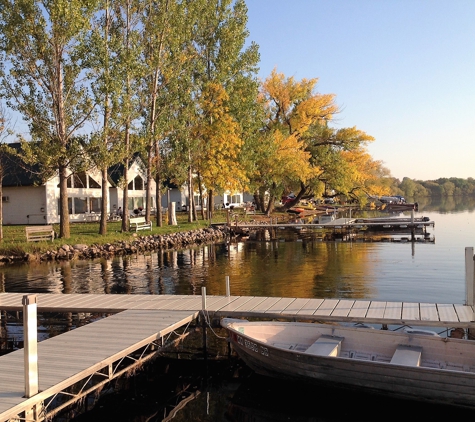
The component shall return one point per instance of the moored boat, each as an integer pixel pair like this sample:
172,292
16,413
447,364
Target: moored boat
409,364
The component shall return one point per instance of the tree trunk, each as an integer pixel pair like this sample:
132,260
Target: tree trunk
270,205
125,201
200,188
104,203
301,193
190,195
63,203
158,200
210,204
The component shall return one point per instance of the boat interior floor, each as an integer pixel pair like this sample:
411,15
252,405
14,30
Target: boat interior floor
403,355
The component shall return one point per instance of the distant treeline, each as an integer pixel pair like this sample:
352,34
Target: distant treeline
443,187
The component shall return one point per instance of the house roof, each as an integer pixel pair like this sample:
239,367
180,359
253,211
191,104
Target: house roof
16,171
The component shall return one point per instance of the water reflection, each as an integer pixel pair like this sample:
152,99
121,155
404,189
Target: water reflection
288,263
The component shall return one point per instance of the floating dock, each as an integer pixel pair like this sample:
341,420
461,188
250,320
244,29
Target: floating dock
76,363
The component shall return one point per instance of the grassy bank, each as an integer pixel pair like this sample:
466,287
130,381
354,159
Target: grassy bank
14,238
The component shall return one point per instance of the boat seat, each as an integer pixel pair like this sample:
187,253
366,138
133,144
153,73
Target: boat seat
407,355
325,346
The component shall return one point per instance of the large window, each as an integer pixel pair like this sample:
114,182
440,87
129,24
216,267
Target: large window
82,180
94,204
81,205
135,203
136,184
232,199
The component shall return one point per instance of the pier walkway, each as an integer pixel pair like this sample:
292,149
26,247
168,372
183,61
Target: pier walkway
77,362
349,310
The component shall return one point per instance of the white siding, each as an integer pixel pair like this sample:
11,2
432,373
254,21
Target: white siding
26,205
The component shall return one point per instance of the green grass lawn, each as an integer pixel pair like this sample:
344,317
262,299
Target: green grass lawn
14,238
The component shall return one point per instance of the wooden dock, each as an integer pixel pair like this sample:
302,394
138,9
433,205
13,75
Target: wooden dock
340,223
88,357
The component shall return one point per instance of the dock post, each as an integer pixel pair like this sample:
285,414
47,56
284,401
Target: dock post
30,334
469,277
203,298
205,340
228,287
413,229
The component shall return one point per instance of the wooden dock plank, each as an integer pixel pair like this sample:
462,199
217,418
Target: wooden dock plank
235,304
429,312
294,307
464,313
310,307
326,308
265,304
447,312
376,310
410,311
359,309
212,305
393,310
281,305
250,304
343,308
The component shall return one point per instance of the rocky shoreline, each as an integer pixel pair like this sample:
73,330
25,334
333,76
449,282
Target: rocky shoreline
136,245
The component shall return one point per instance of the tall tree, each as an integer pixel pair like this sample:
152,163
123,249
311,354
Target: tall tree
166,40
291,107
226,70
128,23
43,78
102,47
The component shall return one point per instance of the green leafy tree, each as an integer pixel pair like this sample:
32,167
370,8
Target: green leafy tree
42,78
224,79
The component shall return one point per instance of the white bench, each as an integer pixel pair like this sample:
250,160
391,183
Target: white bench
407,355
325,346
139,223
39,233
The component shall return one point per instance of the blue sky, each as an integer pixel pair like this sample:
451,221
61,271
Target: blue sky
403,71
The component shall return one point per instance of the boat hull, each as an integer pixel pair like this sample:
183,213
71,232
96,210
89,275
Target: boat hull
428,384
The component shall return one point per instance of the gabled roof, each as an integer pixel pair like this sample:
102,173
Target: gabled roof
16,171
116,171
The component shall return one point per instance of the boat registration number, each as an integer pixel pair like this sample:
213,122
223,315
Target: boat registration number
253,346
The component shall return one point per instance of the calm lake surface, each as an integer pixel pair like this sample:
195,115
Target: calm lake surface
295,265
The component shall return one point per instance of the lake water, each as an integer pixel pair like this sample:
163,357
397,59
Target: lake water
294,265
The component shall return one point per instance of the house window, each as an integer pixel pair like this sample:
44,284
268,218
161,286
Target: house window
139,184
93,184
197,199
136,202
80,205
232,199
136,184
95,204
80,180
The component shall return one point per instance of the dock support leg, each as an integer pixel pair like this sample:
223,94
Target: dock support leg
30,334
469,276
228,288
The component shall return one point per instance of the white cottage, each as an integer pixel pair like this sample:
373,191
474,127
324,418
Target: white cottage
137,186
29,200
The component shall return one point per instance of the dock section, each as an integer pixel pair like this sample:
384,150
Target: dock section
80,361
342,310
76,363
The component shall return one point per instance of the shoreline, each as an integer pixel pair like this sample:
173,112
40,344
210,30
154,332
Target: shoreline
138,244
